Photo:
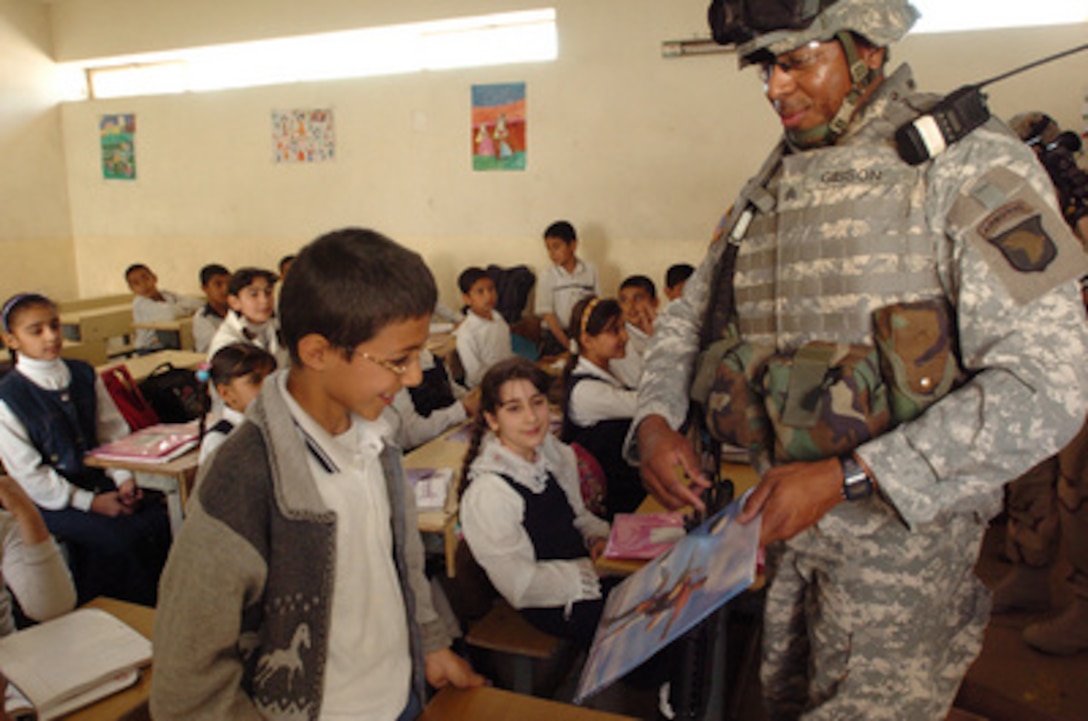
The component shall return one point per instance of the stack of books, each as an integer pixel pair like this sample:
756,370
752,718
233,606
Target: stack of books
69,662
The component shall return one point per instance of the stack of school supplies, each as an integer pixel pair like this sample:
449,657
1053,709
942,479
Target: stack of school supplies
69,662
643,536
155,444
432,486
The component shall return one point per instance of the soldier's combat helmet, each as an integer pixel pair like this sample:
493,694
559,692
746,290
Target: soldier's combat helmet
762,29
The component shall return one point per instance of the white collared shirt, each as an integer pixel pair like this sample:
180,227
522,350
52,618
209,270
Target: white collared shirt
558,291
368,670
482,342
593,401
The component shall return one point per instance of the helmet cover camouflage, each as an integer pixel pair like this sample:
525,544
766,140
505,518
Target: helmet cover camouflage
881,22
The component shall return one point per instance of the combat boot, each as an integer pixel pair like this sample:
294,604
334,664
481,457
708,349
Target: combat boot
1024,588
1064,635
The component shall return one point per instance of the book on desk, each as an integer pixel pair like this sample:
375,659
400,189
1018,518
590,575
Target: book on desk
159,443
69,662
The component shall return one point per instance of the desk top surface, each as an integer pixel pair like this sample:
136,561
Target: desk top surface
492,704
439,452
75,317
140,367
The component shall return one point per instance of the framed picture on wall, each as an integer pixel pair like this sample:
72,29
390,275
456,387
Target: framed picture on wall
117,138
498,127
303,135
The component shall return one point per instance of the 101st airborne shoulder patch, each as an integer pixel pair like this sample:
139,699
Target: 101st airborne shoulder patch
1016,229
1025,243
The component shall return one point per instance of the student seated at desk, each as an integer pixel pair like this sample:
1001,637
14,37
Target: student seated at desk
564,283
250,295
638,301
236,371
447,405
52,412
483,338
31,563
302,525
521,507
598,408
151,305
214,281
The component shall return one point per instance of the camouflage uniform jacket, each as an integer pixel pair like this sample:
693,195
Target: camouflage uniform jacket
853,229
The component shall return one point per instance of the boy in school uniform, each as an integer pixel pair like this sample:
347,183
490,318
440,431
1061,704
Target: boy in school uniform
483,339
214,281
252,314
675,278
152,305
567,281
638,301
295,589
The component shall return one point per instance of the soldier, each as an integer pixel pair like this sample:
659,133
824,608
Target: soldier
891,342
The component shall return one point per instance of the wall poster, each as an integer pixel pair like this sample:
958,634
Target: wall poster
303,136
498,127
116,136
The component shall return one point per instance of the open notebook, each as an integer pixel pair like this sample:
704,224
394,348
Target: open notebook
71,661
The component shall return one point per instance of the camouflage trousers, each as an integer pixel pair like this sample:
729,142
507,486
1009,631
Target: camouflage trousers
876,626
1048,505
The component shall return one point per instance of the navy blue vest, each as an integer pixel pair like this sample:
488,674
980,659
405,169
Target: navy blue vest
549,521
60,424
604,441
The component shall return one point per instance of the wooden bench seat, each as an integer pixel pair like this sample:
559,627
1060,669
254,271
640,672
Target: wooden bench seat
504,631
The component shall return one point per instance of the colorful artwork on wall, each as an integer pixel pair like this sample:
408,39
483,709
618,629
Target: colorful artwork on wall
498,127
303,136
117,137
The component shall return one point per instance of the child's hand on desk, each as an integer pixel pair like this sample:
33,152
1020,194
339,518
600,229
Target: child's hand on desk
445,668
129,493
471,402
110,504
596,548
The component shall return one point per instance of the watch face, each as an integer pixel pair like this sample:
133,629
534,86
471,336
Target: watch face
856,484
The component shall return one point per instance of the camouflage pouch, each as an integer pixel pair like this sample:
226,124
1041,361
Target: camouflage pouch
823,400
918,356
734,404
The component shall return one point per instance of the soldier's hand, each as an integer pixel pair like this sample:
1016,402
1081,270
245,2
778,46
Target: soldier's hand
670,471
793,497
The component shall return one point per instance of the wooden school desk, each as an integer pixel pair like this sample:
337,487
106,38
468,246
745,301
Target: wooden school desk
140,367
492,704
174,478
103,323
441,452
181,327
131,702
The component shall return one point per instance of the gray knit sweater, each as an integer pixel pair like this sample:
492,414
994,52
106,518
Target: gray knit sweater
247,591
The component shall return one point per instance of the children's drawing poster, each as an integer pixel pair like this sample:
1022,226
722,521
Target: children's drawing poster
669,595
117,137
498,127
303,136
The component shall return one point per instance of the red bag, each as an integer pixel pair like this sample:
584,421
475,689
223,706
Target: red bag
129,400
594,484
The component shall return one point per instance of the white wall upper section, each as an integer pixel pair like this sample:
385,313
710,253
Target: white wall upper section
641,153
35,237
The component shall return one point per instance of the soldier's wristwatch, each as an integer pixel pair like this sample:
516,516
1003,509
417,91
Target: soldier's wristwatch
856,483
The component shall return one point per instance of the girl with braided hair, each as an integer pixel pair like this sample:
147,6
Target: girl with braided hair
521,509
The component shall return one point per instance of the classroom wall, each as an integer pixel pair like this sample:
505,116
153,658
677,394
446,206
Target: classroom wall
36,250
641,152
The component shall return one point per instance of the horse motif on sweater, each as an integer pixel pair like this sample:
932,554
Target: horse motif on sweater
284,659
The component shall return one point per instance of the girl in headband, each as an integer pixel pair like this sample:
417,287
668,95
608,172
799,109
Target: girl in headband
236,371
598,407
53,411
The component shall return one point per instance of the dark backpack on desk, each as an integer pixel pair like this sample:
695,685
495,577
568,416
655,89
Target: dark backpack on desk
174,393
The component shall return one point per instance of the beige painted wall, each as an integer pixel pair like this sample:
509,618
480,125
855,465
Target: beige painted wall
36,251
641,153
